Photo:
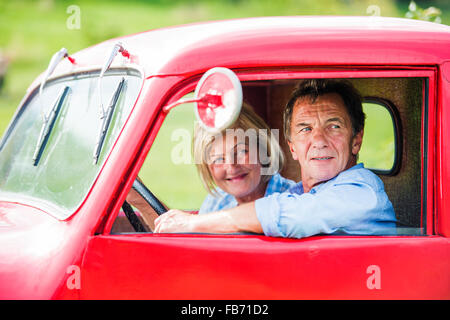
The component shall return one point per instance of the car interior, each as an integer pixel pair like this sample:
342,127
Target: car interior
403,97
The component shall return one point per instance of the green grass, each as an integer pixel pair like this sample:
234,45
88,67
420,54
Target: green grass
169,170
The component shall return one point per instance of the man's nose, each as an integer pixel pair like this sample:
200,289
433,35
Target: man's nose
319,139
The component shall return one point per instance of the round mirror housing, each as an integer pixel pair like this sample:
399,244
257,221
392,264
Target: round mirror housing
219,99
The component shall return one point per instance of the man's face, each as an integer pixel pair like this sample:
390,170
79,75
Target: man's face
321,138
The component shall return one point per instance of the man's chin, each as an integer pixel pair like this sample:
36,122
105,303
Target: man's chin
324,177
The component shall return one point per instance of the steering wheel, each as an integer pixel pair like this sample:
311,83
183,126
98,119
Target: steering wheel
150,198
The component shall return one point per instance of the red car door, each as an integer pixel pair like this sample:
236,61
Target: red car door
201,266
157,266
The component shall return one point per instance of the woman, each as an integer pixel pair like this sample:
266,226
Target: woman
240,164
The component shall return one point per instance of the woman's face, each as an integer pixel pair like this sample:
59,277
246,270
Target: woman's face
230,164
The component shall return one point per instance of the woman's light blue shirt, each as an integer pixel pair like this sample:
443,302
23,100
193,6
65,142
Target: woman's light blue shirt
354,202
226,201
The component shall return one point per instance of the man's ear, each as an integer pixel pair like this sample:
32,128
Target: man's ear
292,149
357,142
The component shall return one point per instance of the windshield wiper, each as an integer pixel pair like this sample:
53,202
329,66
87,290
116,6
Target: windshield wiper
107,116
118,48
54,61
47,126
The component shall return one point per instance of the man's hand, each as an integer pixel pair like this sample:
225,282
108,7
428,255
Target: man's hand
175,221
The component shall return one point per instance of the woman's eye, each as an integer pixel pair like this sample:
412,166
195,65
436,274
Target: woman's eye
240,155
218,160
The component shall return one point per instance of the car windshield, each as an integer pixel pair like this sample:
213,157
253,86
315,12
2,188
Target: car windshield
57,143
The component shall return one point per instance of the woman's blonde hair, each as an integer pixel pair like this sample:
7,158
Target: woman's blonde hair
247,119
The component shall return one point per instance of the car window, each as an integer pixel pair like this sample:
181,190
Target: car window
66,169
391,115
378,151
169,171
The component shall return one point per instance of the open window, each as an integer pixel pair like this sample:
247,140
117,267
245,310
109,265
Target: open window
391,147
169,170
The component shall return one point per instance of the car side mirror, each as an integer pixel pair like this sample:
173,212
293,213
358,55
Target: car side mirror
218,96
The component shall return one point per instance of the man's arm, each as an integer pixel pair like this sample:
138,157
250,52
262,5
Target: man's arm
239,219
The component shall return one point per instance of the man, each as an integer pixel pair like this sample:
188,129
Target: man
324,127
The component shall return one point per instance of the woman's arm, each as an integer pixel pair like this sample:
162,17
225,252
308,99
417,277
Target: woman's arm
239,219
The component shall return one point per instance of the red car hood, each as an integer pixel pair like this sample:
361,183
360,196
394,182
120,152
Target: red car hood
33,252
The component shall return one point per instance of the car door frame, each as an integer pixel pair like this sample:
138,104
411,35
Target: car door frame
202,266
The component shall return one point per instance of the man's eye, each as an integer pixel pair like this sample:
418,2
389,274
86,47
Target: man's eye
335,126
306,129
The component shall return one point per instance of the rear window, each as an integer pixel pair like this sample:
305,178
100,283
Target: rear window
66,168
379,150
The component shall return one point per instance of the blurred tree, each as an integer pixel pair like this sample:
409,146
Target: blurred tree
3,65
432,14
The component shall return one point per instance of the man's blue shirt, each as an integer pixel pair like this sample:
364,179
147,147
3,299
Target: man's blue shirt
353,202
225,200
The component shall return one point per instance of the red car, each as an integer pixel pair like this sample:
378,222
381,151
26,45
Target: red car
85,127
